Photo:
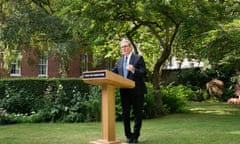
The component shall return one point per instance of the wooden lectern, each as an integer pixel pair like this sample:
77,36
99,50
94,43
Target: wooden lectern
109,81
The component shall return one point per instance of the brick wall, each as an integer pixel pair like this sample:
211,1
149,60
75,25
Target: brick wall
54,67
30,65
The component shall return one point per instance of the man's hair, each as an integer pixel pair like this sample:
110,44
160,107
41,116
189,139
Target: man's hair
126,41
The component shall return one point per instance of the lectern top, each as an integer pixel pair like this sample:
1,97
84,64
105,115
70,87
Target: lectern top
106,77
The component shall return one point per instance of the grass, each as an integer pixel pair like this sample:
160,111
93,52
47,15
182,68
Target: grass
205,123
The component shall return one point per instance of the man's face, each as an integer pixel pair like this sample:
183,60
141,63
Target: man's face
125,48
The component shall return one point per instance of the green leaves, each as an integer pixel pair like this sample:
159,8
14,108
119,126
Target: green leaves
158,28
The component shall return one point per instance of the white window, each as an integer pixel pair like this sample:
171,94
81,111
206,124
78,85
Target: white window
15,68
83,62
43,64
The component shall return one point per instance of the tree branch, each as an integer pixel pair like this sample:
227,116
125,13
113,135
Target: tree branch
41,3
130,34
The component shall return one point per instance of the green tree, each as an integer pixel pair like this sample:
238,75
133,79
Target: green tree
28,23
157,28
214,35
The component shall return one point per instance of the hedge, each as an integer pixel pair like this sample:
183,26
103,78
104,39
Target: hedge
25,96
71,100
37,86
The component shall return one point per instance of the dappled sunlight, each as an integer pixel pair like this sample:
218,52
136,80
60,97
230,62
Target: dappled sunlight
235,132
217,109
207,111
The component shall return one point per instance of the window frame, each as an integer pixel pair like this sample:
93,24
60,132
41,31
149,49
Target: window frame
83,62
16,64
43,64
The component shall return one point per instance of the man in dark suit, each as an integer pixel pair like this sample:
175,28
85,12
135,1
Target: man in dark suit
132,67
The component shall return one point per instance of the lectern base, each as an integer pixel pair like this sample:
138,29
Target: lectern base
105,142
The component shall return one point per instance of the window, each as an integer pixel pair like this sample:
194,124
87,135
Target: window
43,64
108,63
15,68
83,62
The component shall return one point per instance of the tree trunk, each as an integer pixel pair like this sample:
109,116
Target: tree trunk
156,78
167,48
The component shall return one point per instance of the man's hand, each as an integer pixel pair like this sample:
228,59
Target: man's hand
131,68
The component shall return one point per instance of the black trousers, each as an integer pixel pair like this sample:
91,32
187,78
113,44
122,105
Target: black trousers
134,102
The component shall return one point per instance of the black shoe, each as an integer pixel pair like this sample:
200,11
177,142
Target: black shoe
135,140
129,140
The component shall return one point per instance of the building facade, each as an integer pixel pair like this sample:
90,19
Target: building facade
31,63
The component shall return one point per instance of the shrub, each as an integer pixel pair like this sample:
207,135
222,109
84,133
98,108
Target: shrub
73,101
3,116
195,78
85,107
118,106
20,101
150,108
35,86
77,106
198,95
26,103
174,97
27,95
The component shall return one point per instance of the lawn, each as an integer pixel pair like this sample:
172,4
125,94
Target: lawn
205,123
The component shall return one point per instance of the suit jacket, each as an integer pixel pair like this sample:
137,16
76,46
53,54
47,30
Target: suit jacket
138,76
